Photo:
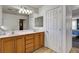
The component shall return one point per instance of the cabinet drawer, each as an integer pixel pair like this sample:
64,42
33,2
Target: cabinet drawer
29,45
29,41
30,49
29,36
37,39
37,35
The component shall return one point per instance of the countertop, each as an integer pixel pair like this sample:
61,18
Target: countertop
17,34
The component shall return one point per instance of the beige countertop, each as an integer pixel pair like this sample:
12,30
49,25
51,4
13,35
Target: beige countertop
17,34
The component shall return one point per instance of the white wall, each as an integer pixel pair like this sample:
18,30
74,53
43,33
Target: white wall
11,21
0,15
66,42
42,12
68,28
1,19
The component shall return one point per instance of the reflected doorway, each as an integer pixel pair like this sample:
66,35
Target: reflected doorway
21,21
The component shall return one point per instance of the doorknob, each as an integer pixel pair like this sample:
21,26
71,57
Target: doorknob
47,31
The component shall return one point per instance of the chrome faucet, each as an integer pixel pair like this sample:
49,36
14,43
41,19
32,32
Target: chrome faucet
13,31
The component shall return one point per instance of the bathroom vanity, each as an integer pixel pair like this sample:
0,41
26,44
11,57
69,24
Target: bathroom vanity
21,43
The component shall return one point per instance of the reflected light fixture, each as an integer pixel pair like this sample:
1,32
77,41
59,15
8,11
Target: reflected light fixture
3,28
23,10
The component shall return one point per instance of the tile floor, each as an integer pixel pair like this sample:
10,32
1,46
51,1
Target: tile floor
47,50
74,50
44,50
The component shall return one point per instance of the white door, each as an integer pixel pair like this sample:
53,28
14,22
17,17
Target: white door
50,29
48,39
59,29
53,29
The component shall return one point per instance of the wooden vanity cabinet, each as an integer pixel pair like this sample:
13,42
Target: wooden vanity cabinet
0,45
19,44
23,43
13,44
36,41
39,40
42,39
29,39
8,45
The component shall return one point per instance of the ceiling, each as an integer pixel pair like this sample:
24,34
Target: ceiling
13,9
75,10
9,9
36,6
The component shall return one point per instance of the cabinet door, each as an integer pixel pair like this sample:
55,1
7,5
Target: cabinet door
20,44
37,41
0,45
42,39
29,43
8,45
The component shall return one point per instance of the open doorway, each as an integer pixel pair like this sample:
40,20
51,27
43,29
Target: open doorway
75,29
21,21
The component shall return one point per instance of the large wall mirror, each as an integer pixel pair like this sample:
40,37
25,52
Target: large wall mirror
13,20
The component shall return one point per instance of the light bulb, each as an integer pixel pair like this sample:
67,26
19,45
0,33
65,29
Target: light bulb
20,10
23,12
30,12
27,10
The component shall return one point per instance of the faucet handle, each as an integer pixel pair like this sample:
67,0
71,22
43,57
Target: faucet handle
12,32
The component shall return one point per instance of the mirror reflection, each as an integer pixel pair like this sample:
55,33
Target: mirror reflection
13,20
18,18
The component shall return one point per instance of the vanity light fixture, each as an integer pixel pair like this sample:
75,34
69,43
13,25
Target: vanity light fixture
23,10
